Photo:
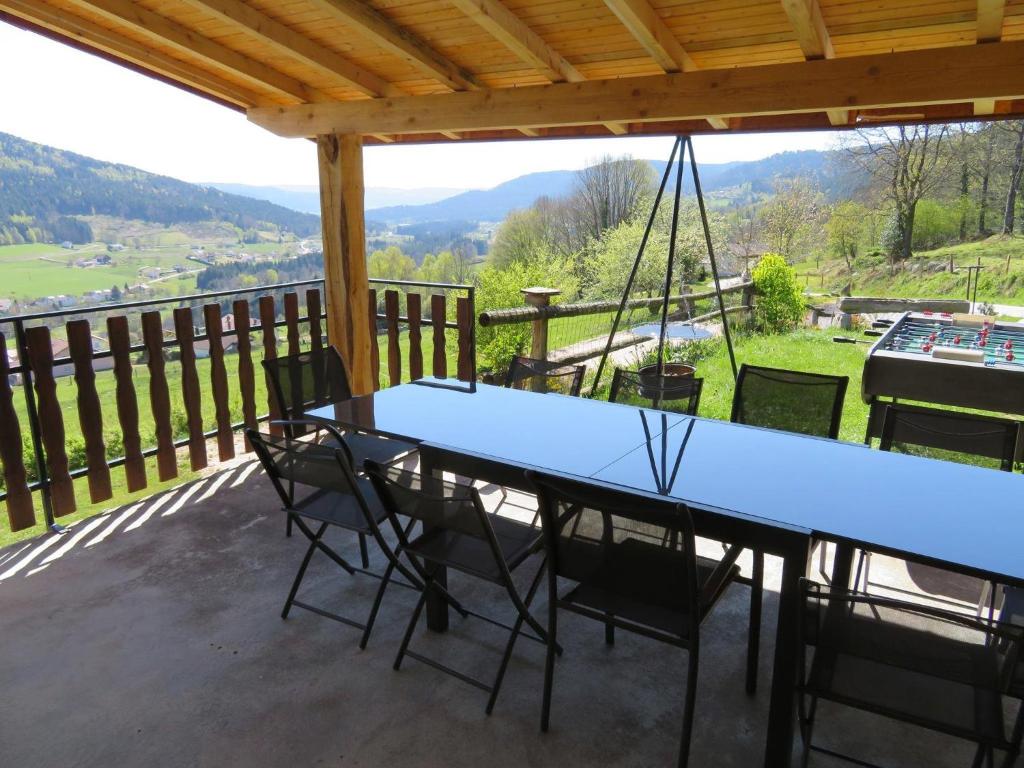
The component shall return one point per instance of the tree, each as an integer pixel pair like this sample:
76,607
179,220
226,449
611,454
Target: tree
1016,130
791,214
845,230
610,192
391,264
744,233
780,302
909,160
519,239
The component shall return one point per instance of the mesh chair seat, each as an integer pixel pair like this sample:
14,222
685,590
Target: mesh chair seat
666,393
376,449
473,555
639,581
793,401
342,509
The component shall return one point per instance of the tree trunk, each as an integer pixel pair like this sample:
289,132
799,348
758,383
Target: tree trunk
908,231
964,191
986,174
1015,176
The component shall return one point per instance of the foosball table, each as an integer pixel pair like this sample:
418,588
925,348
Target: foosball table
968,361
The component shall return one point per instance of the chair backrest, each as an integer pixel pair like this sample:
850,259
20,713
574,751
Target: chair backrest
545,376
584,523
440,505
307,380
885,633
289,462
667,393
948,433
793,401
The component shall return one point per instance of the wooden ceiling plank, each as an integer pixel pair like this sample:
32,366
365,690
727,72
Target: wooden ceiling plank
399,41
860,82
650,30
107,41
990,20
297,45
134,16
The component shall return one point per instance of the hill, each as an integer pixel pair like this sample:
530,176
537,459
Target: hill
723,180
44,191
307,198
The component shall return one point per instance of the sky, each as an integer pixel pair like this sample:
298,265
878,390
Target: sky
69,99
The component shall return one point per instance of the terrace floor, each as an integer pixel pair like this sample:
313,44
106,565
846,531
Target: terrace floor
151,636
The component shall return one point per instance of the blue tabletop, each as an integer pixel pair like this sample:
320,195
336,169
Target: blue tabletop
963,515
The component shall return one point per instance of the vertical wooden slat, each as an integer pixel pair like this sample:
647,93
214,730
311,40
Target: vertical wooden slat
438,313
313,312
374,347
127,405
219,381
291,317
190,392
414,312
268,316
51,421
394,353
159,396
90,415
20,511
246,378
464,319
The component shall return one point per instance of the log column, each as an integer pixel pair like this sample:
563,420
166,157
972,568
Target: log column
340,159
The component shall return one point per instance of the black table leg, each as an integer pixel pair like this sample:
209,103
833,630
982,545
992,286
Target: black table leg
842,566
437,606
782,714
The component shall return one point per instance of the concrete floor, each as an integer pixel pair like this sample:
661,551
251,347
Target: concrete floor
151,636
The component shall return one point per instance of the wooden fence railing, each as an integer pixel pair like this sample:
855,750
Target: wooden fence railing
80,373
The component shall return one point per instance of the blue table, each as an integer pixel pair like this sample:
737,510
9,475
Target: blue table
768,490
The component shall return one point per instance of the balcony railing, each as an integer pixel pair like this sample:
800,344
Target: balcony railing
198,358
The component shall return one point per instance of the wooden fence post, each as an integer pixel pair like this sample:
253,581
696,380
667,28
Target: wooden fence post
539,297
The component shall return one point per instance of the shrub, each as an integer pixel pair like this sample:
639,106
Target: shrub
780,302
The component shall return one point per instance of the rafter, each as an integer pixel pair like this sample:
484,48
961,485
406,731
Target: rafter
901,79
195,45
814,40
650,30
990,20
661,44
509,30
372,24
102,39
297,45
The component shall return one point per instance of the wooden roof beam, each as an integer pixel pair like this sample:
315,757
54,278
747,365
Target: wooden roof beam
901,79
373,25
814,40
124,12
102,39
296,45
653,34
990,20
509,30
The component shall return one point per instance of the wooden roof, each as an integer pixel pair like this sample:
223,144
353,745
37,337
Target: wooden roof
430,70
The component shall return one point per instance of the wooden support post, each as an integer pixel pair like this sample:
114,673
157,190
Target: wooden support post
340,161
539,297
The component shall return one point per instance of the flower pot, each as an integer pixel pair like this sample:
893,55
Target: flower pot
669,371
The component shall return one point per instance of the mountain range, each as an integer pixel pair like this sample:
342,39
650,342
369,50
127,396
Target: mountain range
307,198
45,193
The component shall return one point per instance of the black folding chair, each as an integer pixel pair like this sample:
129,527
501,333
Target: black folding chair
925,666
950,435
545,376
316,378
666,393
333,495
459,534
791,401
634,566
